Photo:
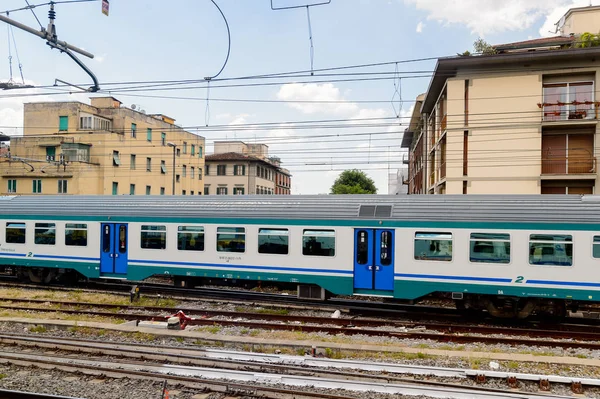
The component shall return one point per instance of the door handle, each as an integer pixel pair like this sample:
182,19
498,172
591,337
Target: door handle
116,255
369,267
377,268
111,255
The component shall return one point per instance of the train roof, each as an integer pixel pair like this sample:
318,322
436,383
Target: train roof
465,208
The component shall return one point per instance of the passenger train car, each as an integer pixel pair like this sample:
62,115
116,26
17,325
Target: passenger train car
511,255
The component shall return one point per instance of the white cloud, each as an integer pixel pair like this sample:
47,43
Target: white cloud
488,16
420,27
100,58
316,92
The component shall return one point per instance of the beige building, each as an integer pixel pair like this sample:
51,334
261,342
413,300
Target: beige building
102,148
522,121
237,168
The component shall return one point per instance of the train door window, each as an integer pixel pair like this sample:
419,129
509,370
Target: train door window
45,234
231,239
106,236
386,248
596,247
362,249
122,239
433,246
190,238
76,235
153,237
15,233
273,241
551,249
490,248
318,242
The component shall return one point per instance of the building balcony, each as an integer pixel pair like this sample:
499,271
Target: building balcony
444,123
574,111
562,166
442,170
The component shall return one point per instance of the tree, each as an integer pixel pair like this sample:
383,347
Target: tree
481,47
353,182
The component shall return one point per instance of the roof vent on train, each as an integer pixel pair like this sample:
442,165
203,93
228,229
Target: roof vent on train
378,211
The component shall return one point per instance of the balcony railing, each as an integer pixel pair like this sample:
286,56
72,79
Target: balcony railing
444,123
570,111
442,170
568,166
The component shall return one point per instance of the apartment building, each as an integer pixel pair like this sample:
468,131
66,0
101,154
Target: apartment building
521,121
238,168
102,148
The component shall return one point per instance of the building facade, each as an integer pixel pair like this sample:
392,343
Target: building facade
102,148
522,121
237,168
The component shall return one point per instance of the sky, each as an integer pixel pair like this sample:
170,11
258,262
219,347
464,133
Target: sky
319,124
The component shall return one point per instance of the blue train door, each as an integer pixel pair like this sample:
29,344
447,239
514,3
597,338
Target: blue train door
113,246
374,259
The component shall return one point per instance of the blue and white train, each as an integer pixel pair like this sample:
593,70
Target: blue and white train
510,255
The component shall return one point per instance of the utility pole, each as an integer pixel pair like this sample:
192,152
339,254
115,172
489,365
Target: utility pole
51,38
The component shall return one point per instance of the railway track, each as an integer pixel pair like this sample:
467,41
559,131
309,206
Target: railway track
208,367
564,336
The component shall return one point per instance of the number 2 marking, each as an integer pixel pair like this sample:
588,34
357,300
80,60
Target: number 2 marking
519,279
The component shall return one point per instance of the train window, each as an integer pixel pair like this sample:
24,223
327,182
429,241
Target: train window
231,239
190,238
106,237
45,234
318,242
596,247
15,233
549,249
385,249
76,235
362,249
122,239
490,248
154,237
433,246
273,241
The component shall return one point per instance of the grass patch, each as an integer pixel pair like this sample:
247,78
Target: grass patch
211,329
2,376
179,339
512,365
278,311
38,329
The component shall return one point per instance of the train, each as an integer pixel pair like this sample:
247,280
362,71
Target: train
509,255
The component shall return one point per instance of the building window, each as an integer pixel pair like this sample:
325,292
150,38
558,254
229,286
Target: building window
563,101
115,188
192,192
153,237
433,246
149,164
190,238
206,190
553,250
85,123
177,178
50,153
162,191
116,159
132,189
185,147
239,170
318,242
238,191
63,123
273,241
12,185
15,233
133,130
76,235
199,151
149,134
192,170
221,190
148,190
199,173
193,150
490,248
37,186
163,139
62,186
45,234
206,173
132,161
221,170
183,192
184,171
596,247
231,239
178,152
163,167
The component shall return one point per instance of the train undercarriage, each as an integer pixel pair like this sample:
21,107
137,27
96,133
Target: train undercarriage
515,307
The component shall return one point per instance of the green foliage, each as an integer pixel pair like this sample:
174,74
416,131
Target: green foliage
353,182
588,39
38,329
480,46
